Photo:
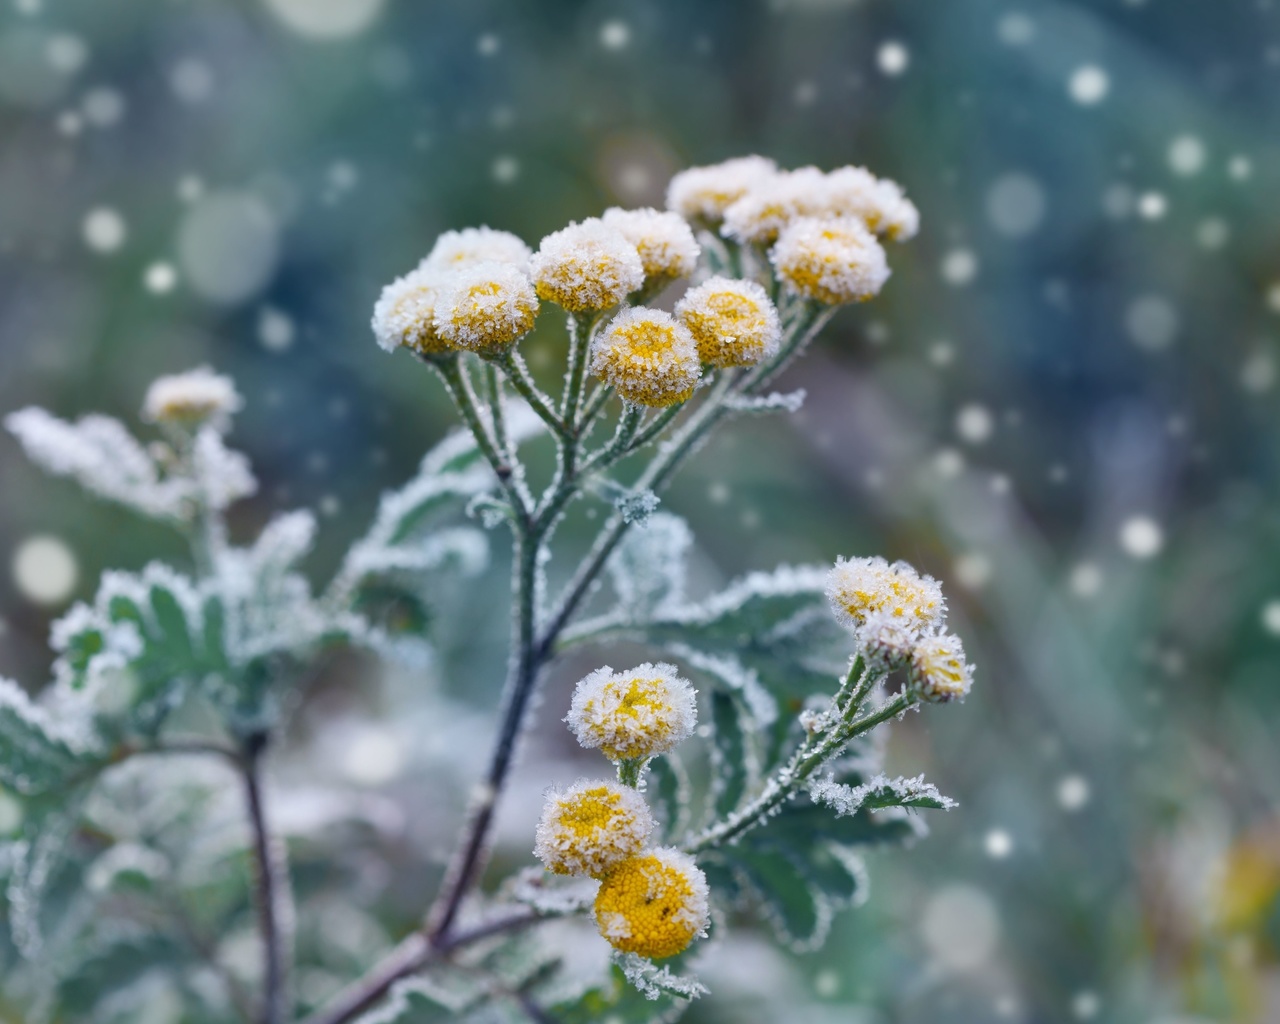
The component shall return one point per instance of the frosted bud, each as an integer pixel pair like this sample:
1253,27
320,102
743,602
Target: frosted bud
733,322
456,249
939,671
591,826
586,267
648,357
664,241
638,713
485,307
704,193
830,261
193,398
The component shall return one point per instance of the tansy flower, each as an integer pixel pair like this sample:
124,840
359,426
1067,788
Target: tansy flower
861,587
653,905
590,827
638,713
455,249
703,193
832,261
649,357
773,203
664,241
877,202
939,671
733,322
587,266
405,314
192,398
484,307
887,640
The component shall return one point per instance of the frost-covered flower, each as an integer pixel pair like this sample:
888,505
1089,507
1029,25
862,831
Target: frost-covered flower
734,322
192,398
832,261
859,588
878,202
405,314
592,826
653,905
638,713
455,249
484,307
664,241
887,640
773,203
704,193
939,671
587,266
648,357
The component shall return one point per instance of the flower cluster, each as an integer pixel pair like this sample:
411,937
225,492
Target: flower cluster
651,902
899,617
820,228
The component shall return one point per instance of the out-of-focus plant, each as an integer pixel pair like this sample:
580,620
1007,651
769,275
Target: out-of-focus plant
167,667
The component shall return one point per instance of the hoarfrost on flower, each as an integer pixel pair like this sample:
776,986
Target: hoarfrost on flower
648,357
640,712
591,827
704,193
586,266
832,261
734,322
654,904
404,315
191,398
484,307
455,249
664,241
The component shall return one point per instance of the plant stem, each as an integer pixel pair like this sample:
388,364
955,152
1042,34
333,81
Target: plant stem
513,365
579,342
270,887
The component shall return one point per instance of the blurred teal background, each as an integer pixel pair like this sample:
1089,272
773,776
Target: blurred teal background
1064,405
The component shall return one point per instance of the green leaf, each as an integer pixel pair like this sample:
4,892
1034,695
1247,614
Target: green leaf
730,756
33,757
669,793
413,1001
798,911
617,1002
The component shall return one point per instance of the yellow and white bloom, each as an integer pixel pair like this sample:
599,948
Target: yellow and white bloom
773,203
586,267
859,588
664,240
734,322
591,827
704,193
456,249
939,671
648,357
832,261
879,203
644,711
887,640
191,399
404,314
484,307
653,905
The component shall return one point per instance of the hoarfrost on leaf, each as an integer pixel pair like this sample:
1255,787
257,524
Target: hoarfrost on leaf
653,981
879,792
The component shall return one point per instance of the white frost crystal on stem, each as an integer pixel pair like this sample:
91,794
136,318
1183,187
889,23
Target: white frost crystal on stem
586,267
456,249
830,261
485,307
643,711
666,246
191,398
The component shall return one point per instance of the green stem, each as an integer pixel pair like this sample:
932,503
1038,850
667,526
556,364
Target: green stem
631,770
517,372
580,326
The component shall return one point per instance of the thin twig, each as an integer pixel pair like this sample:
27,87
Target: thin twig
270,883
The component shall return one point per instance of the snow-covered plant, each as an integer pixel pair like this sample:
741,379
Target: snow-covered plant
793,673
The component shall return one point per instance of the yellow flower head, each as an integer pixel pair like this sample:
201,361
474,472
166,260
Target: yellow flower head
666,246
734,322
939,671
704,193
591,827
877,202
887,640
773,203
585,267
653,905
832,261
192,398
648,357
859,588
484,307
405,314
456,249
638,713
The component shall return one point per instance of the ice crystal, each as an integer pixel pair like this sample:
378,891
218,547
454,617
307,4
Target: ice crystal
591,827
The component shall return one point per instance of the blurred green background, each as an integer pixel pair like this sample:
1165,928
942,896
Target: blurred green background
1064,405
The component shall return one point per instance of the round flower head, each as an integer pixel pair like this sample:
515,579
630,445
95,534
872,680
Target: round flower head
653,905
832,261
485,307
591,827
587,266
455,249
859,588
666,246
877,202
734,322
192,398
704,193
887,640
648,357
405,314
773,203
644,711
939,672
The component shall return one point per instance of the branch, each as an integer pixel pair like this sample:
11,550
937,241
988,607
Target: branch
271,889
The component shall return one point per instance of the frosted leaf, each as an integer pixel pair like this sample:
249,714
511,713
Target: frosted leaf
880,792
555,896
635,507
736,677
649,567
459,548
36,752
792,401
220,476
416,999
123,860
492,512
653,981
103,457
